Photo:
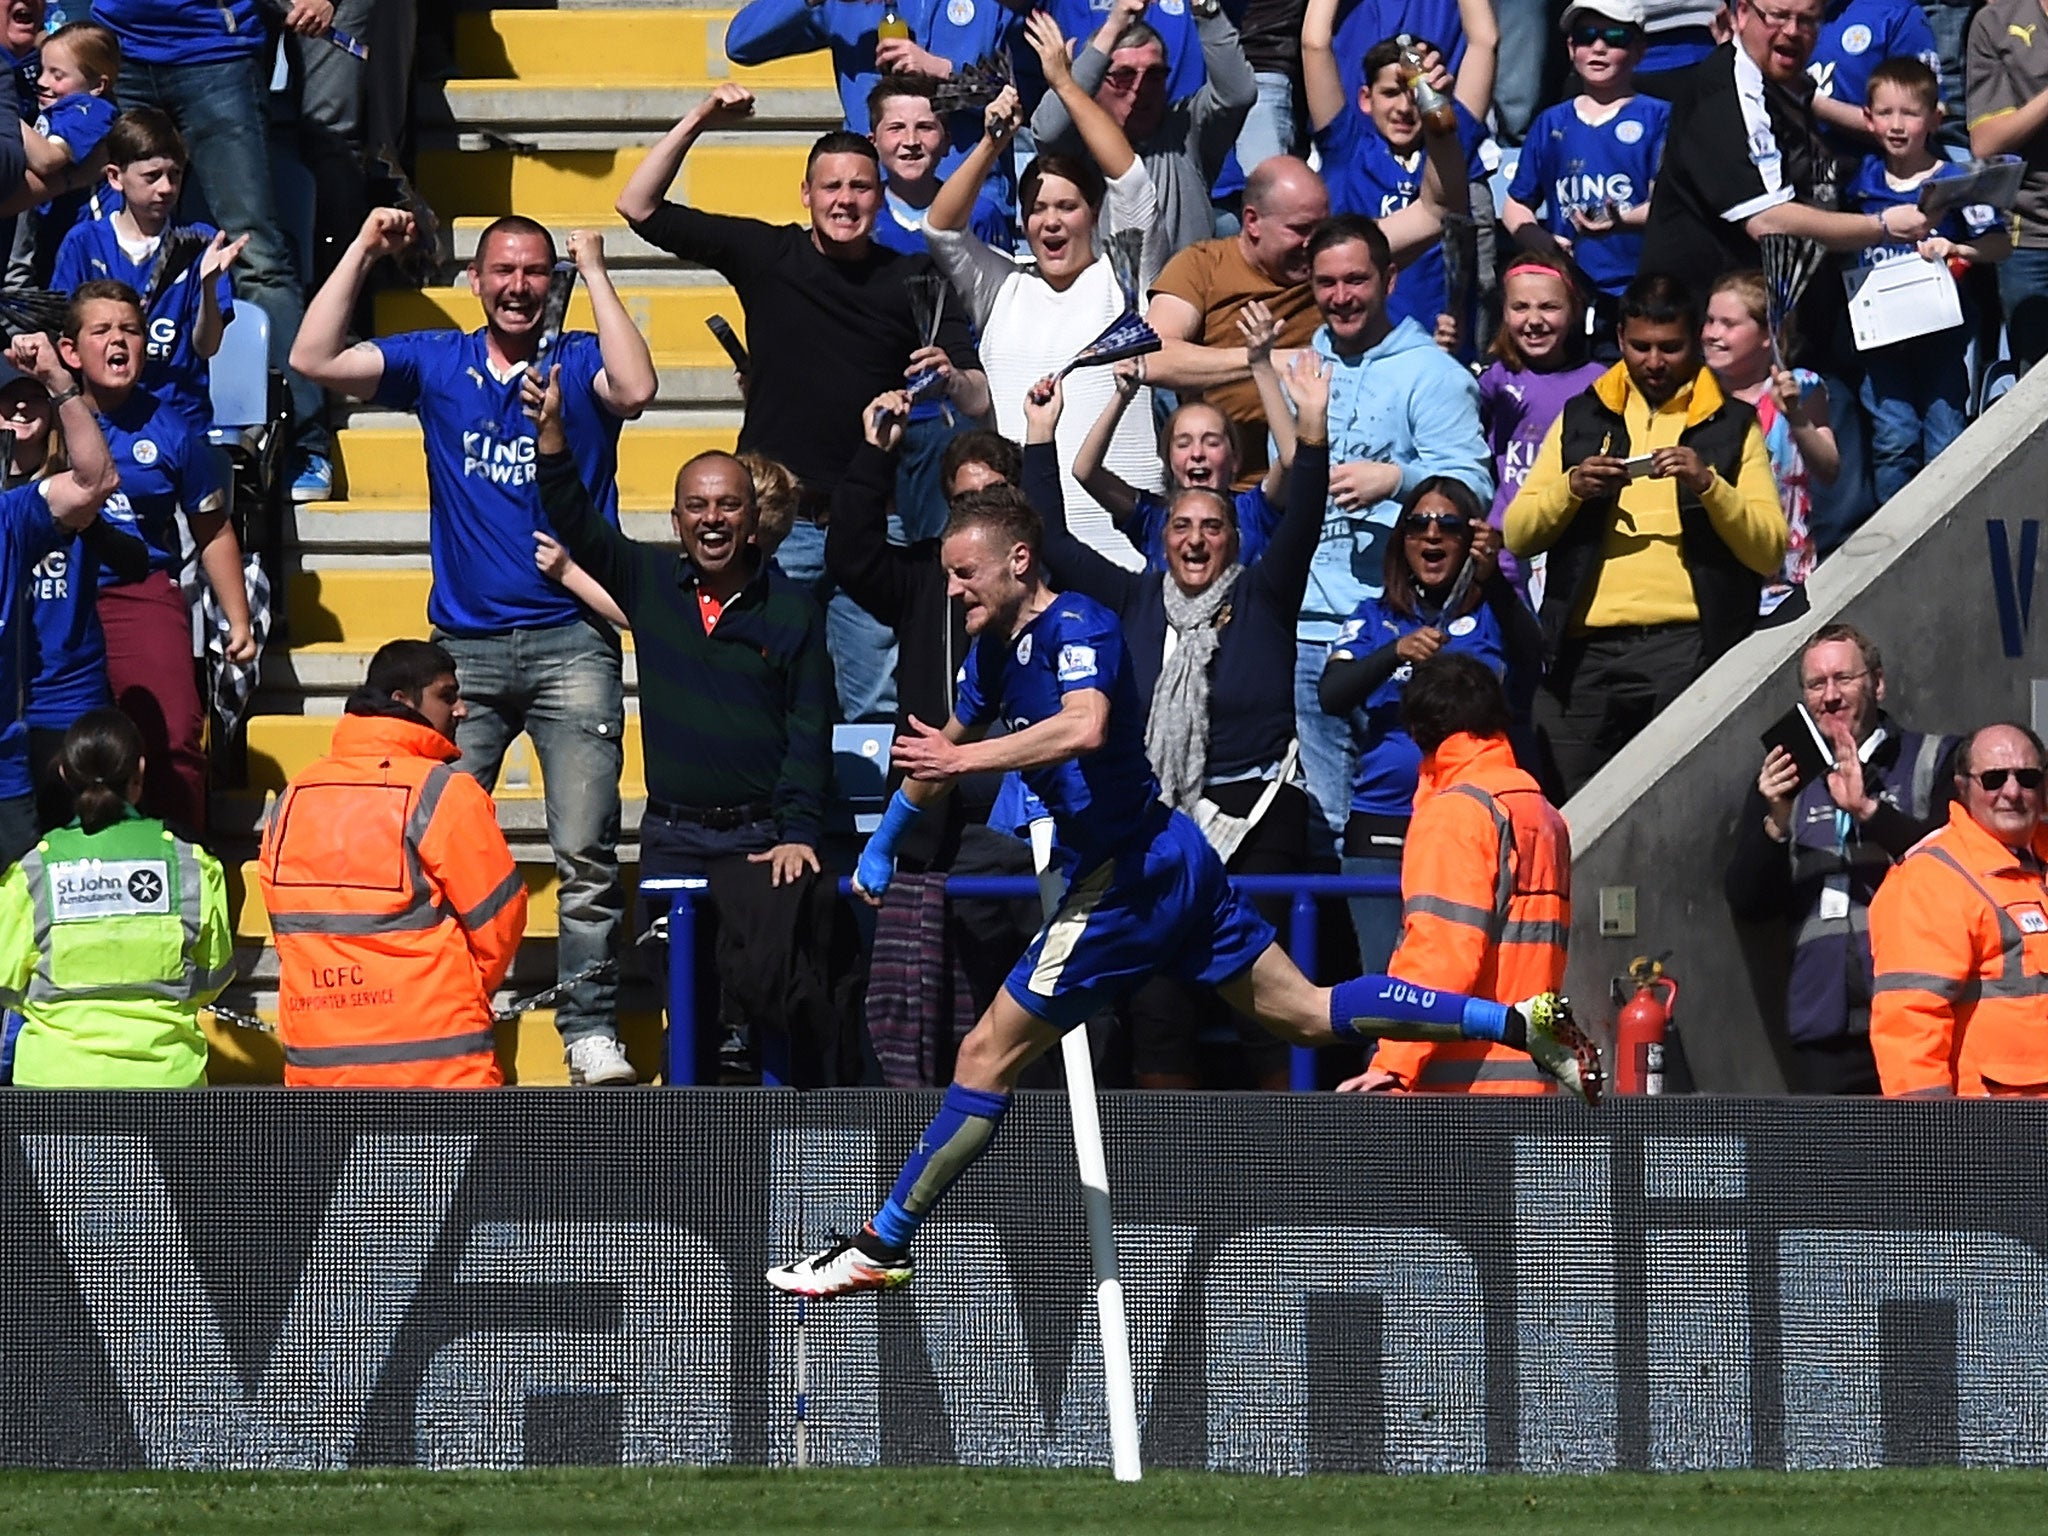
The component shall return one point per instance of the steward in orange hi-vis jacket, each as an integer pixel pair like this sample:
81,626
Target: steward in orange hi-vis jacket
1959,936
1485,881
394,900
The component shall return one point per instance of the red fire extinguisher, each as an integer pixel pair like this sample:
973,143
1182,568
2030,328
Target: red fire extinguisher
1640,1030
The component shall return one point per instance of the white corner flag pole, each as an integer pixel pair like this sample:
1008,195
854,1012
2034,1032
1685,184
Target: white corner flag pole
1117,1384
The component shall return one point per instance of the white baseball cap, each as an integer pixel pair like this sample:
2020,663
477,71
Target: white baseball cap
1628,12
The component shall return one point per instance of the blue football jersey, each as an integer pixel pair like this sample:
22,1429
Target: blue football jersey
481,485
1569,163
1099,801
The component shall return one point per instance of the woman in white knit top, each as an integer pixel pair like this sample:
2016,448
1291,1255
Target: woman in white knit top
1031,322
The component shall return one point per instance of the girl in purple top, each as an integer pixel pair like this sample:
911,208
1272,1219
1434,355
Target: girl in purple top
1539,363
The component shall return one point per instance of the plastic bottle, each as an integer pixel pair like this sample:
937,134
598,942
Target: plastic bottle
1438,115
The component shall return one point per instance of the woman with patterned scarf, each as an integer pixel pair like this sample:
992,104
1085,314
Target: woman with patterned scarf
1212,642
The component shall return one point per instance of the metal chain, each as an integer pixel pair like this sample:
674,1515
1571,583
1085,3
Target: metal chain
504,1015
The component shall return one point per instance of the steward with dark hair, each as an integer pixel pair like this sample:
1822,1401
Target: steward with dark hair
114,932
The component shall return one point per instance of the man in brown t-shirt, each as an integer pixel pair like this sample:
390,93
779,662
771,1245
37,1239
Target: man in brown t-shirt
1196,299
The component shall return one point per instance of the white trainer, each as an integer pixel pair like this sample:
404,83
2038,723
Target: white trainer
1560,1047
840,1270
599,1061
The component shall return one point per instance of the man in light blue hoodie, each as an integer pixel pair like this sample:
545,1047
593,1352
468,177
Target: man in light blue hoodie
1401,410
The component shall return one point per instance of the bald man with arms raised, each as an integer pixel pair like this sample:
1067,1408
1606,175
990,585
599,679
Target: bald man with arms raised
1196,300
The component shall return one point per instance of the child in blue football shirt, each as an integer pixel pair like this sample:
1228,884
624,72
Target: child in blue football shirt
1582,187
167,476
189,309
1917,391
66,652
1373,146
81,63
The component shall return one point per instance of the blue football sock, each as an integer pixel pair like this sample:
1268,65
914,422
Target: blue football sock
958,1134
1355,1006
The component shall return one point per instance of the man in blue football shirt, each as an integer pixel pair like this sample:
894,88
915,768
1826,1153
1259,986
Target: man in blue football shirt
34,520
1145,892
531,656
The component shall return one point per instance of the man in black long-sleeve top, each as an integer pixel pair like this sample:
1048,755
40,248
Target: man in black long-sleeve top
904,587
735,683
1812,856
831,323
1211,646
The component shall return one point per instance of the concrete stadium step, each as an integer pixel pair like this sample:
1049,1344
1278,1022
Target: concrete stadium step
543,917
529,1048
297,680
622,47
236,823
281,746
624,251
671,317
521,109
319,533
386,469
753,174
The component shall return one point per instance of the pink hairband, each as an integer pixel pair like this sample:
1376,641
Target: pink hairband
1536,267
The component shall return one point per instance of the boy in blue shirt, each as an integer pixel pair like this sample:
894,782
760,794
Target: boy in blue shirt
35,520
168,472
1145,892
910,140
1373,145
1855,37
1588,163
1916,391
67,650
190,308
944,36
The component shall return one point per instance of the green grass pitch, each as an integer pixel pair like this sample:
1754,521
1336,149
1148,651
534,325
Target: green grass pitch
595,1502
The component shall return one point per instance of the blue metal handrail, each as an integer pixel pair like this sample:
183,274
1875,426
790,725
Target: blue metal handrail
684,891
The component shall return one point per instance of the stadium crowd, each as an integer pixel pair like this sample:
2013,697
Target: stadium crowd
1301,382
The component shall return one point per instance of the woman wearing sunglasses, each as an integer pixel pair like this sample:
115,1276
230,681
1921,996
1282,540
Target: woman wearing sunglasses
1442,530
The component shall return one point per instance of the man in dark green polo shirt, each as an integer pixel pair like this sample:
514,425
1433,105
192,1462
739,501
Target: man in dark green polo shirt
736,694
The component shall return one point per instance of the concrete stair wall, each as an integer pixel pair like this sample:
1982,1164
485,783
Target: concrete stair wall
524,129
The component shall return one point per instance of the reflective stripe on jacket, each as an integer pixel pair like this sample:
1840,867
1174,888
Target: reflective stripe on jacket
1486,909
397,910
110,943
1827,989
1959,936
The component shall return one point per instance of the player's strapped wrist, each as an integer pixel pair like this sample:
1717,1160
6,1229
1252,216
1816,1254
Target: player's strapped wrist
900,815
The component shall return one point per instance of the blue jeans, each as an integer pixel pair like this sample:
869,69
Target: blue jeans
1526,30
1840,509
1272,127
563,687
1328,757
1951,27
1918,397
1375,919
862,646
220,109
2023,294
921,508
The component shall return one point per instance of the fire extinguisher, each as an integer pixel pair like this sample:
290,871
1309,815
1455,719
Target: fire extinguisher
1641,1029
